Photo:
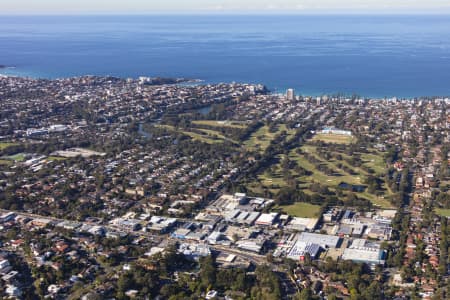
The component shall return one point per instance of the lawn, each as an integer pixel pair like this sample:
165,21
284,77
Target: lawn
274,180
302,210
443,212
262,138
8,160
215,134
4,145
375,161
201,138
376,200
230,124
334,138
4,162
317,175
194,135
333,181
17,157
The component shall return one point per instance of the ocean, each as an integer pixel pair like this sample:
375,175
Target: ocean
368,55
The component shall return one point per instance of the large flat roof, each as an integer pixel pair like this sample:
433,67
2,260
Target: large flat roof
300,248
368,255
266,218
308,223
324,240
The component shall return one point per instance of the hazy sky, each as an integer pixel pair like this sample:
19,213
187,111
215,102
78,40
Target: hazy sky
149,6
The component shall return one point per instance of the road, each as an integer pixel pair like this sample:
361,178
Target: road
252,257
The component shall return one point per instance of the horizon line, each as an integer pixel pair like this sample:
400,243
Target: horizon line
234,12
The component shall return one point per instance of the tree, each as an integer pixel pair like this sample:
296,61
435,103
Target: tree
124,283
373,291
208,271
305,294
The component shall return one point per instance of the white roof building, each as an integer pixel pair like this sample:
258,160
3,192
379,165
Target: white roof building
215,236
364,251
13,291
4,263
266,219
300,249
194,251
302,224
250,245
324,240
252,217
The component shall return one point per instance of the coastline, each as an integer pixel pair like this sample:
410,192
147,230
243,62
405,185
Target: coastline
159,80
331,57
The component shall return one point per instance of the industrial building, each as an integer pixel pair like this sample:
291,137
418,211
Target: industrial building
364,251
300,249
324,240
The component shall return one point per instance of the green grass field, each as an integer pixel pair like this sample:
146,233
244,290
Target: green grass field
4,162
262,138
274,180
443,212
216,135
333,181
9,160
17,157
230,124
374,161
302,210
334,138
4,145
321,177
376,200
199,137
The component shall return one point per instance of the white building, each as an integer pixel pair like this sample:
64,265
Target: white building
302,224
324,240
13,291
364,251
332,130
290,94
194,251
267,219
251,245
300,249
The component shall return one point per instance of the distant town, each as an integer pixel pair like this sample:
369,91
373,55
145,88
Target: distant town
160,188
